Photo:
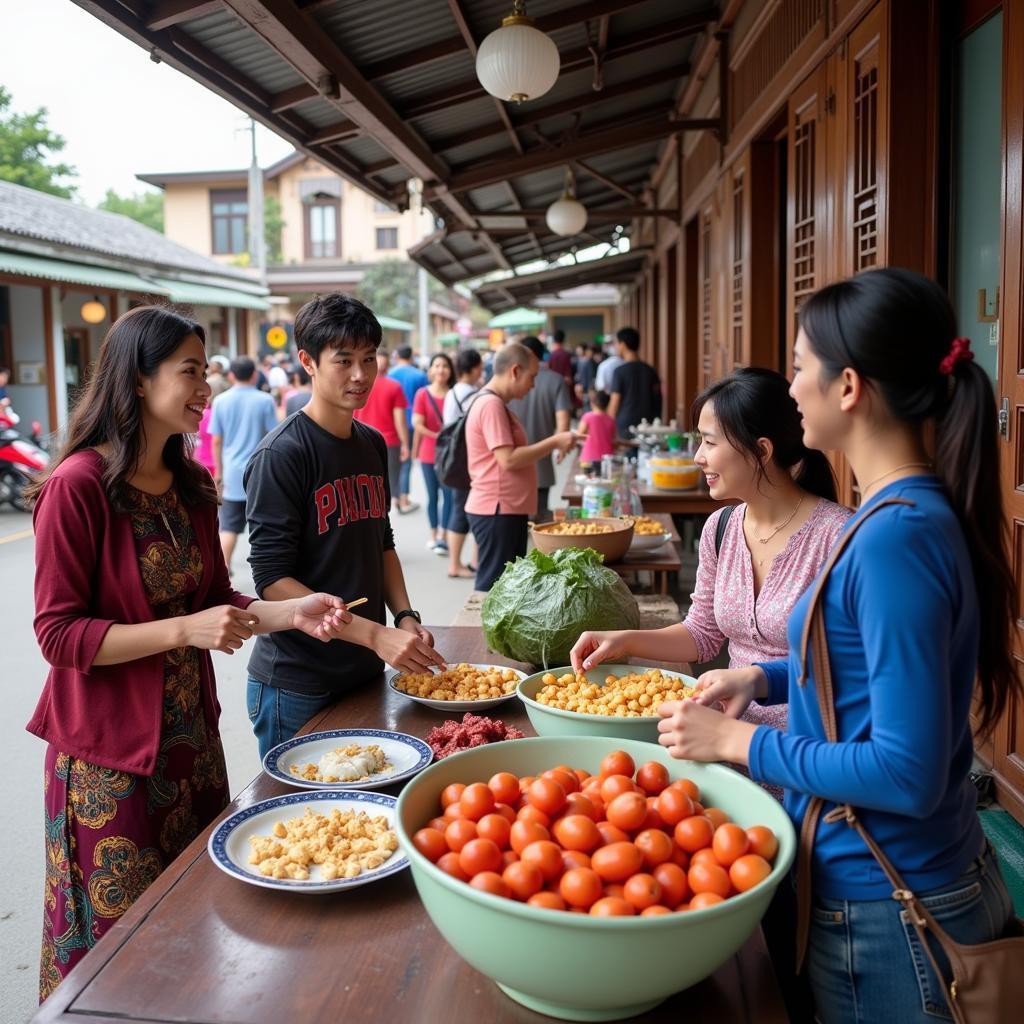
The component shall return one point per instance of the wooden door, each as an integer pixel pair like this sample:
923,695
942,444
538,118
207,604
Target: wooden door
1007,750
705,278
807,222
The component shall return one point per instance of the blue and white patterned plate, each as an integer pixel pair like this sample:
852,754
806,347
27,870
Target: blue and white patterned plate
229,843
406,754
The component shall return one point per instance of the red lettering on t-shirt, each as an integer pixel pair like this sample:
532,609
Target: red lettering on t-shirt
370,506
353,498
343,512
326,504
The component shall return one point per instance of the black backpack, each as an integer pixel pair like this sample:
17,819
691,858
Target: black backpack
451,461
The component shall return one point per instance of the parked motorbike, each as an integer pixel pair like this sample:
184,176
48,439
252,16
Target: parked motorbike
21,459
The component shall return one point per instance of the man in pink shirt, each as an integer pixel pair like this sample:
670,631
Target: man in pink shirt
502,465
385,412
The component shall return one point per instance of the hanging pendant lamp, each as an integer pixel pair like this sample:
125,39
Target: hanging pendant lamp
567,216
93,311
517,61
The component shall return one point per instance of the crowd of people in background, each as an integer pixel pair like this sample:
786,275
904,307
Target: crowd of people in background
544,388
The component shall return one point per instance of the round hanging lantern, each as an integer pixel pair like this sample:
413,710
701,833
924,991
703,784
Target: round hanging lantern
517,61
93,311
566,216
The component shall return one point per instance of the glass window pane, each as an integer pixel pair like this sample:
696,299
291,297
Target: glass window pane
220,234
238,235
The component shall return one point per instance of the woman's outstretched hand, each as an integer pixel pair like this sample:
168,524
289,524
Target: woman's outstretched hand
322,616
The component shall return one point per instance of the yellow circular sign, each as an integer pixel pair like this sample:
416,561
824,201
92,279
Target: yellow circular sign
277,337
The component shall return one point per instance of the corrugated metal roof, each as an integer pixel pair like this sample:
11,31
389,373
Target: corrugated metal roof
193,294
25,265
395,45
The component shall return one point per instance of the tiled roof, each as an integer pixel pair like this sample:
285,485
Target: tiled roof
27,213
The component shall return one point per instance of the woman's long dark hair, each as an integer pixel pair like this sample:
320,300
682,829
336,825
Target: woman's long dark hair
895,327
752,403
109,410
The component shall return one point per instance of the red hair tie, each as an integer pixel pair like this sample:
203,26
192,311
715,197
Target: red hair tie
959,352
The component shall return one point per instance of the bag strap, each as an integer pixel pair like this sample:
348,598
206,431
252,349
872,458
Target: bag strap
814,629
723,522
433,402
814,636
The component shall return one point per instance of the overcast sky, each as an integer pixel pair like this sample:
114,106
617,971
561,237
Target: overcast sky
120,113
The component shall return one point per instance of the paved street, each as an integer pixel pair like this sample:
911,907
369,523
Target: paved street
23,670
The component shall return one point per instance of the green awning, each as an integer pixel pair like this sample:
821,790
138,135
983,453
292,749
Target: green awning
446,340
77,273
519,318
192,294
389,323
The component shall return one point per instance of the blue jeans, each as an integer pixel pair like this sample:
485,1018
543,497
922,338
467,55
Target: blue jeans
434,489
865,960
404,475
277,715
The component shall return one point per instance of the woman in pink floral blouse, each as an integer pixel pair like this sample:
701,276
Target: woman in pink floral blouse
772,546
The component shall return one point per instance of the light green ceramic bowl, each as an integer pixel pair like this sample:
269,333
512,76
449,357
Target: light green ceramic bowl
574,966
554,722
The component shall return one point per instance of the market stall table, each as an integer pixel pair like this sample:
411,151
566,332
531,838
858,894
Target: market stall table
201,946
695,502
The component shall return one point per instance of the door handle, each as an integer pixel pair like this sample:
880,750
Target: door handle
984,317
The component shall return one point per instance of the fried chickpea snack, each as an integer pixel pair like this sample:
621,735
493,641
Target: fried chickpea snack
636,695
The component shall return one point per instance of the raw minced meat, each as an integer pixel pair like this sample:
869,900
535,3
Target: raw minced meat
472,731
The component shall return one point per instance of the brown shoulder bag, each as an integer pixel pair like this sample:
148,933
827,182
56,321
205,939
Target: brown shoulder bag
988,978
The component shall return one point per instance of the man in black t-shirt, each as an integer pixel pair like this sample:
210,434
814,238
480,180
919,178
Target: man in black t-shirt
636,387
317,501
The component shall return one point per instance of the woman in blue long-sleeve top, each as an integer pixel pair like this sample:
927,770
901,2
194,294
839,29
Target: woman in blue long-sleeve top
918,606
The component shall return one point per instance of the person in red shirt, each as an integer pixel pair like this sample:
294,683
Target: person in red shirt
427,421
131,595
560,360
385,412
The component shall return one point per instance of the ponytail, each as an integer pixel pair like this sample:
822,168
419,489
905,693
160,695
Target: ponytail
897,329
967,462
816,476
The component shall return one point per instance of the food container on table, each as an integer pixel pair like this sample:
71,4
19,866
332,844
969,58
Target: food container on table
548,721
673,472
598,496
613,544
574,966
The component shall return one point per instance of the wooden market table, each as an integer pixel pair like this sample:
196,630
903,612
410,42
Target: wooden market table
200,946
659,562
695,502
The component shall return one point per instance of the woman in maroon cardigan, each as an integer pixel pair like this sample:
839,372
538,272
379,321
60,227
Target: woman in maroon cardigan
131,596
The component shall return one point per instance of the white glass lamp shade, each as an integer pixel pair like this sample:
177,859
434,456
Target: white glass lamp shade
566,216
93,312
517,61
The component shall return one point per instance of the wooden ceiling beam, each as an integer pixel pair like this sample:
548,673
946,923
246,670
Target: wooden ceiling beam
611,183
467,35
304,44
597,213
590,144
288,98
167,13
574,60
335,133
456,44
584,101
234,87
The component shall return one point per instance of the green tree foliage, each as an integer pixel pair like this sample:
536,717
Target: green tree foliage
273,223
390,288
26,147
147,208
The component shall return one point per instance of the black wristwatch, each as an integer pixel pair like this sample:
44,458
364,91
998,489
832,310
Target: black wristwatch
406,613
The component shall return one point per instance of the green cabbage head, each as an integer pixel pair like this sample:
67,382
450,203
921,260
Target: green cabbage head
540,604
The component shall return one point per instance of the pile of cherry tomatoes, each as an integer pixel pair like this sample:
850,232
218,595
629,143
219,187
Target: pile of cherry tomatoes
622,842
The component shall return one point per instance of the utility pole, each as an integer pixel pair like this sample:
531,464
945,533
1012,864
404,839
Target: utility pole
257,245
423,304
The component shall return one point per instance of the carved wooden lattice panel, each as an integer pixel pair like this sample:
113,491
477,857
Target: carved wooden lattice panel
705,299
865,160
804,198
737,271
774,39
